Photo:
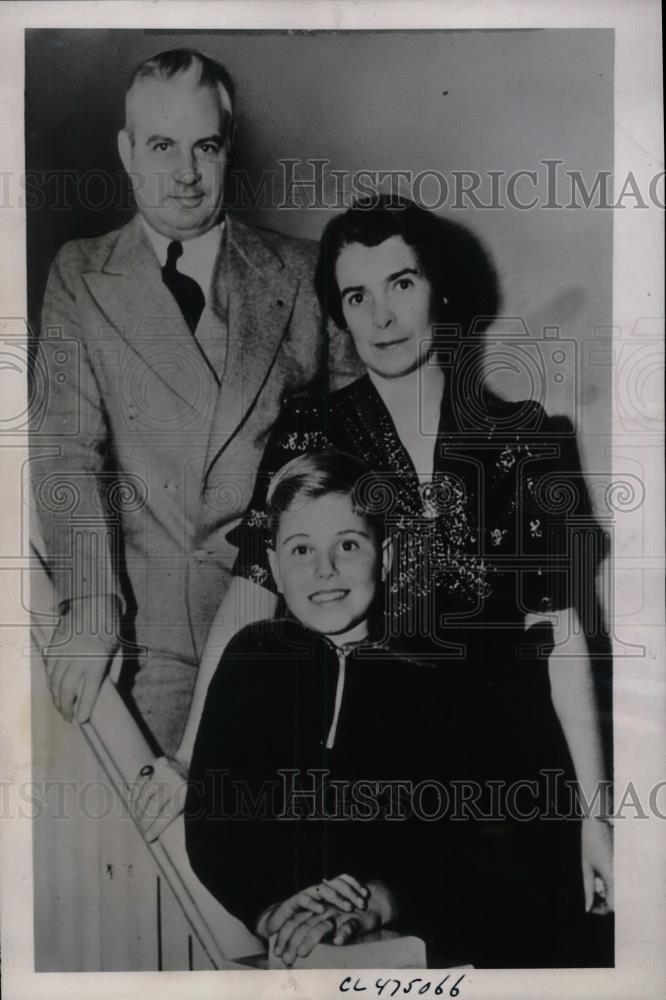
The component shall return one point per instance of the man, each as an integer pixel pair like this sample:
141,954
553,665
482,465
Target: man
167,347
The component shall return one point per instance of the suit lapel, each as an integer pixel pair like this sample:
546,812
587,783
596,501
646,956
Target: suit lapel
251,283
131,295
260,295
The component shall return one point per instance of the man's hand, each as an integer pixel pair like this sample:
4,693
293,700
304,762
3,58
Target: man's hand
83,646
158,795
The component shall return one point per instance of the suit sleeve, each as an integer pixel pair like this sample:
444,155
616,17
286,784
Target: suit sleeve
299,430
70,449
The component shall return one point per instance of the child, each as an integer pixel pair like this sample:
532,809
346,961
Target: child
298,816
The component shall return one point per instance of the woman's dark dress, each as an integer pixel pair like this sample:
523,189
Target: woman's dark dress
504,529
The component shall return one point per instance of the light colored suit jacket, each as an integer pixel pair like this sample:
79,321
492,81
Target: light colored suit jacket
146,440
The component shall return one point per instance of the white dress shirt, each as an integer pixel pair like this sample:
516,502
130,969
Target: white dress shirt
199,253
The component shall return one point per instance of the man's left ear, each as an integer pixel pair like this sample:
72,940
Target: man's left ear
387,557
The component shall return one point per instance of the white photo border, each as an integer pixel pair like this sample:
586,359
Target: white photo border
638,310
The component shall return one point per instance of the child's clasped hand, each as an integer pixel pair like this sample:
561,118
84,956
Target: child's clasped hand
336,910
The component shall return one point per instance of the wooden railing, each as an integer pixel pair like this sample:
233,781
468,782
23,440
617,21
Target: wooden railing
208,932
104,898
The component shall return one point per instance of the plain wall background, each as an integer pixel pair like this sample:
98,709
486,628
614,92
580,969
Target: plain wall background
437,100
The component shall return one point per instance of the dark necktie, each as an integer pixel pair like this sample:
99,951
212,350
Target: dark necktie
184,289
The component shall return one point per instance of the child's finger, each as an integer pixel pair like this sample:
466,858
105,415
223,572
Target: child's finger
309,934
355,884
347,891
281,913
330,894
347,930
300,902
311,900
289,927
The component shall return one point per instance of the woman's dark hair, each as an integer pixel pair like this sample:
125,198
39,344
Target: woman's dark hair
465,288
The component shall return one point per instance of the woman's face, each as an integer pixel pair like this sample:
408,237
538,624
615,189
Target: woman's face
386,302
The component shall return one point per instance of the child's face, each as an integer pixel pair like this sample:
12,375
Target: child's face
326,563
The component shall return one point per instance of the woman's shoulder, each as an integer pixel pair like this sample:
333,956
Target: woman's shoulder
312,420
351,392
523,416
526,414
313,400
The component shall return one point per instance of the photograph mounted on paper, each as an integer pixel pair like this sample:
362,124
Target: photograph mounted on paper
322,516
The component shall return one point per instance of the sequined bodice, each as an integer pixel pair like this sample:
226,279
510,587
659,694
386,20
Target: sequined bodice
483,540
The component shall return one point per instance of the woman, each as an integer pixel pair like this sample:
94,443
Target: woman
482,497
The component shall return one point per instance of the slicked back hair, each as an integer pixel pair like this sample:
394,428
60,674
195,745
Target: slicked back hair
206,72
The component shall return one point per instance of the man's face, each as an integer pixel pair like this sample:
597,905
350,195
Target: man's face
177,159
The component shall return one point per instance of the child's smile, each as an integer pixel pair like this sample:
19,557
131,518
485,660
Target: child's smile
326,563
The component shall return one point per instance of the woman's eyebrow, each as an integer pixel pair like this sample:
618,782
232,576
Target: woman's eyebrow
353,531
399,274
297,534
390,277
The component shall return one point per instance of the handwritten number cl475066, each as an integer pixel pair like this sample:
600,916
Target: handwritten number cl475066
391,987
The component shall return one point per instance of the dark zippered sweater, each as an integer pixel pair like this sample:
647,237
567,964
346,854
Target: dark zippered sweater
288,713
